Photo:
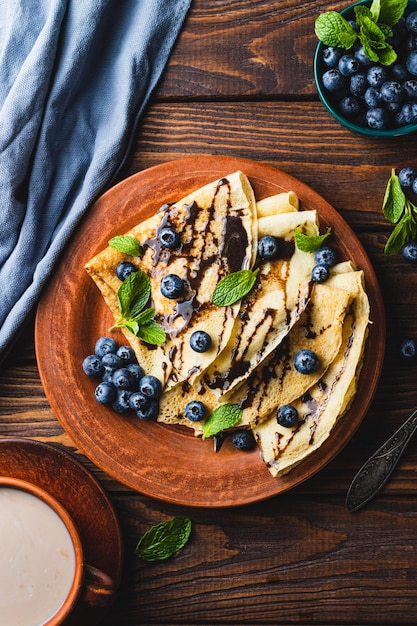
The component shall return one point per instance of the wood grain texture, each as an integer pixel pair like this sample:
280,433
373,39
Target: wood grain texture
240,83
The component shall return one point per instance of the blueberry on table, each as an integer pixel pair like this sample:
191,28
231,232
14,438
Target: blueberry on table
287,416
326,256
306,361
150,386
149,413
408,350
409,251
169,238
320,273
172,286
200,341
125,269
104,345
105,393
407,176
243,440
268,248
92,365
195,411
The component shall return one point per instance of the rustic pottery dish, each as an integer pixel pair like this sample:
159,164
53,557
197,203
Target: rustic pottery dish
168,462
326,97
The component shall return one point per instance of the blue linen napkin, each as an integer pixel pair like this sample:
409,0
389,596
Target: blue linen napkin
75,76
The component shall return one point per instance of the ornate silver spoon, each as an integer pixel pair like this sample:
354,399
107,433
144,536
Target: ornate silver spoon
374,474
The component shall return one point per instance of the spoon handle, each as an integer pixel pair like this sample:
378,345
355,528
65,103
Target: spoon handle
374,474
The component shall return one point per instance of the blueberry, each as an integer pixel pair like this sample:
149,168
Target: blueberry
410,89
331,56
409,251
320,273
243,440
111,362
105,345
391,91
125,269
195,411
411,22
360,56
414,187
169,238
172,286
377,118
138,401
358,84
92,365
408,349
126,354
407,176
121,403
372,97
105,393
200,341
306,361
268,248
411,63
149,413
398,72
136,370
287,416
150,386
122,378
350,106
326,256
348,65
376,76
333,80
407,114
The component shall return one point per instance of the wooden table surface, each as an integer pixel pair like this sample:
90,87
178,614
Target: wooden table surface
240,83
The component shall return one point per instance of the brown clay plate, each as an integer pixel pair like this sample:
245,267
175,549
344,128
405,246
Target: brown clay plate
168,462
57,472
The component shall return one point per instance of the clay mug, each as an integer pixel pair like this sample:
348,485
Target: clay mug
42,570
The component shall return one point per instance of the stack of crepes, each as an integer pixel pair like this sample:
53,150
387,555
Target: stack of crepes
250,362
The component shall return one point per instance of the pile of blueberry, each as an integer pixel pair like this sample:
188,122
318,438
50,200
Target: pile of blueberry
123,384
371,94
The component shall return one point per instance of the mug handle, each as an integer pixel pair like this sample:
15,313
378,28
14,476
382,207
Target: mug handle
98,588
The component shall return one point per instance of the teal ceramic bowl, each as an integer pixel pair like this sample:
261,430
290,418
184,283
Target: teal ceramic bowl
328,99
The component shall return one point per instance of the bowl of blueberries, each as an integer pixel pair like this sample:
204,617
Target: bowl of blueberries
365,66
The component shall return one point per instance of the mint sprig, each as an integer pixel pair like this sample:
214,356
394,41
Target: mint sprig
164,539
133,296
127,244
310,243
399,210
375,27
223,417
234,287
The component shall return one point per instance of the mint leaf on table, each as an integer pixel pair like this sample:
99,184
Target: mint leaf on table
165,539
310,243
223,417
234,287
394,199
127,244
133,296
399,210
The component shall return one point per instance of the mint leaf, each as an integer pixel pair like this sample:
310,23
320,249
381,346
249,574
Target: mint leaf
391,11
223,417
375,10
403,232
133,294
165,539
234,287
394,199
334,30
151,333
387,56
310,243
126,244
